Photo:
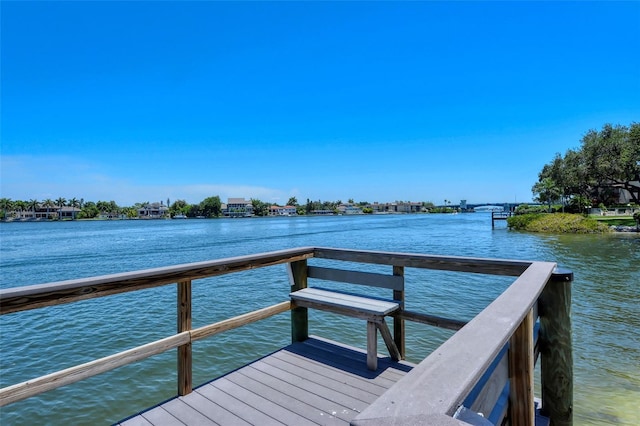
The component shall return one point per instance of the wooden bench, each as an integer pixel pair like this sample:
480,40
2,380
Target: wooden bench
371,309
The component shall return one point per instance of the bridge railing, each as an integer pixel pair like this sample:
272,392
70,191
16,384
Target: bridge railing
464,375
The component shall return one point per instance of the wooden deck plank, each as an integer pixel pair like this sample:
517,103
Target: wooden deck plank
160,416
211,410
352,379
186,413
236,406
293,401
308,375
263,404
320,405
307,383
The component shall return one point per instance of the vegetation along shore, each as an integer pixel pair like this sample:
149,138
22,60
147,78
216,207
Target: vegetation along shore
592,189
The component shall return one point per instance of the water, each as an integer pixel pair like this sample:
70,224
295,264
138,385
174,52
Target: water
605,311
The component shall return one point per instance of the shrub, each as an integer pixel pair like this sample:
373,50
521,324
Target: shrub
557,223
521,221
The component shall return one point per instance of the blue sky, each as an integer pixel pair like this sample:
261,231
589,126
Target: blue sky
420,101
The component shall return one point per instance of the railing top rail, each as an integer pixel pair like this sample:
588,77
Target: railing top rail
40,295
427,261
457,365
48,294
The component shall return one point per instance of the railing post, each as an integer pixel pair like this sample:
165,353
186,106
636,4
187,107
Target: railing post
185,379
521,367
299,316
398,323
556,366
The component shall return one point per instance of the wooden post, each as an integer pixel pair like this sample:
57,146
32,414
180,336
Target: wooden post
299,316
398,323
556,366
185,378
521,374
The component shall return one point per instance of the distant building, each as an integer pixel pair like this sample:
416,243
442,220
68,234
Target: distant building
349,209
153,211
238,207
282,211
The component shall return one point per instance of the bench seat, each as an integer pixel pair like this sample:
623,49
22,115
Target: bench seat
371,309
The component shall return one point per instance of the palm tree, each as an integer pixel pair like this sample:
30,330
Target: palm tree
74,203
60,202
48,203
20,205
33,205
5,204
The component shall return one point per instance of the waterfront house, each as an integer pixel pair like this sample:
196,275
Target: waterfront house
153,211
282,211
238,207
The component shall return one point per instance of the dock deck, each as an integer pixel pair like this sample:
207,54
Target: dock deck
315,382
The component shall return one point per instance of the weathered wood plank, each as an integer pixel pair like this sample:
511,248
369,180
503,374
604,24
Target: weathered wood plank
521,373
356,277
308,375
462,359
160,416
349,358
374,386
55,380
237,407
212,411
186,413
433,320
289,400
398,322
261,403
185,380
335,299
556,366
297,272
340,400
37,296
414,260
319,404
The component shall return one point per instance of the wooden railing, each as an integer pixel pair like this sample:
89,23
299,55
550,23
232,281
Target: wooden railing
491,356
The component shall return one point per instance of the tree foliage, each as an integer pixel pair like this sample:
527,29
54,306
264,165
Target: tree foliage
607,161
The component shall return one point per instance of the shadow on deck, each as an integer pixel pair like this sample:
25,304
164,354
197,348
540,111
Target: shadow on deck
314,382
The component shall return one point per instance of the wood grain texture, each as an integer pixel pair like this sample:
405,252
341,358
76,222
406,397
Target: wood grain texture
185,362
521,365
37,296
299,315
556,364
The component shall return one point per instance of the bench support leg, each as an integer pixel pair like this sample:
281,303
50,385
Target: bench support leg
372,346
388,340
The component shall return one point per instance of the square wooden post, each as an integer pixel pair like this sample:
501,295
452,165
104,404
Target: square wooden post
398,323
521,374
299,316
185,378
556,365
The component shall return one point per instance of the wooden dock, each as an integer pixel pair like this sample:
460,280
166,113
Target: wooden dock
315,382
483,374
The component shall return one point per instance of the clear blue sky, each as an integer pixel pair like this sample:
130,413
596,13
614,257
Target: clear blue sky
144,101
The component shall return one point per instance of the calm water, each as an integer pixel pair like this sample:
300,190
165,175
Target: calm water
606,311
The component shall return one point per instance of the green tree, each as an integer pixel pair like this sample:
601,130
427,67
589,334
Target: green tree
211,207
179,207
74,204
33,205
260,208
60,202
6,205
48,203
293,201
546,191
